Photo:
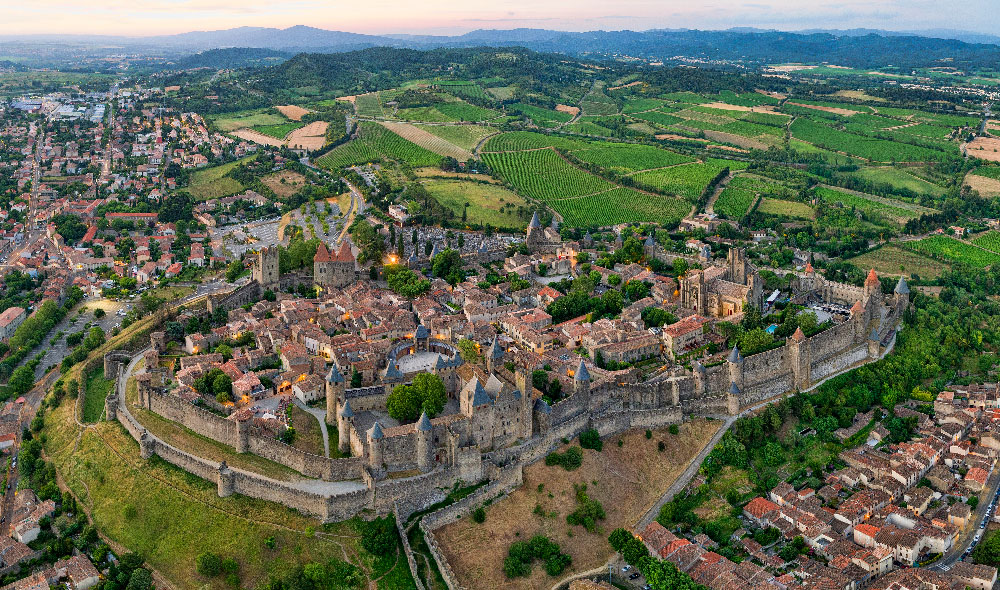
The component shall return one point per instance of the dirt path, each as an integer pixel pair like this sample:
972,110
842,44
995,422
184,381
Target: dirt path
710,205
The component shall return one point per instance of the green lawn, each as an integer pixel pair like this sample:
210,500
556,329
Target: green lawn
212,183
900,179
232,121
770,206
96,392
488,204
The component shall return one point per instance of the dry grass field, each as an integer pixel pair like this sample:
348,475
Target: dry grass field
986,187
834,110
294,113
888,259
293,181
627,480
257,137
565,108
310,137
984,148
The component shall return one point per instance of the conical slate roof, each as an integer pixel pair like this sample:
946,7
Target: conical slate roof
734,356
346,411
479,395
874,335
334,375
555,223
542,406
439,362
901,287
424,423
376,432
733,389
534,221
392,372
422,331
697,366
649,241
582,374
495,351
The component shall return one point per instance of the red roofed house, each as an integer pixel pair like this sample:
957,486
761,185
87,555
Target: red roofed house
758,507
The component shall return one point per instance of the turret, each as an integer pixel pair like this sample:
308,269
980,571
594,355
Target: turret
901,294
334,393
699,376
581,379
735,362
225,480
542,416
391,376
649,246
873,286
425,446
345,419
874,344
494,356
375,439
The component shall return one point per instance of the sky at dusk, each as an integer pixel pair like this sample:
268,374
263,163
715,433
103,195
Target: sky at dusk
150,17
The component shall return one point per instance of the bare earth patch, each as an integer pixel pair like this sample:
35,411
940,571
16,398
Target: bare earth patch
629,85
791,68
725,106
673,136
834,110
627,480
310,137
743,142
349,99
986,187
984,148
728,148
565,108
254,136
293,112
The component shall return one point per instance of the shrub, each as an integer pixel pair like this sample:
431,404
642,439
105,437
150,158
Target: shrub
590,439
378,537
587,512
570,460
661,446
479,515
674,429
522,554
649,434
208,564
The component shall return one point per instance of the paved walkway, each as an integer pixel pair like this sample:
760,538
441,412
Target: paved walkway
321,417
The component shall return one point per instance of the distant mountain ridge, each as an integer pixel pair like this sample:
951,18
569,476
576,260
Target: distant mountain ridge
861,48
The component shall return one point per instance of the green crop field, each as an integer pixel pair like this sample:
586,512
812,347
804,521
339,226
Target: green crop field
988,171
989,240
375,142
949,249
526,140
212,183
638,105
277,131
623,157
621,205
892,260
544,175
541,116
658,118
488,203
463,111
348,154
256,118
368,105
464,136
785,208
900,178
898,212
687,180
735,202
423,115
588,128
876,150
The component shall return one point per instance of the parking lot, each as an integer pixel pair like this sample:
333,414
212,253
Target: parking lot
75,322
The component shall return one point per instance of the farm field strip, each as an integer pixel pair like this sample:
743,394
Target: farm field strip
544,175
629,157
951,250
421,137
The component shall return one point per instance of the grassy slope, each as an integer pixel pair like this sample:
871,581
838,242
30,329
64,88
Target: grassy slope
212,183
484,201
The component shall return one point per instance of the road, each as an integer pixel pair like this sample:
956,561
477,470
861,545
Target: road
979,518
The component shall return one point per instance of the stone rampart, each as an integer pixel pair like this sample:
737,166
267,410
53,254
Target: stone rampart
407,550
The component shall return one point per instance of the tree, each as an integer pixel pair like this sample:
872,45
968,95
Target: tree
467,348
234,270
356,379
378,536
99,313
448,266
223,385
140,579
426,394
208,564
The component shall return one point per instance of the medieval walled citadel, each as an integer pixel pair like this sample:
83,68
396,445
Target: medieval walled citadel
495,421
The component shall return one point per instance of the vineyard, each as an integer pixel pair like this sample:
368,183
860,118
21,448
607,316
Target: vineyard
526,140
735,202
875,150
464,136
989,240
621,205
623,157
376,142
687,180
423,138
368,105
869,205
544,175
541,116
951,250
